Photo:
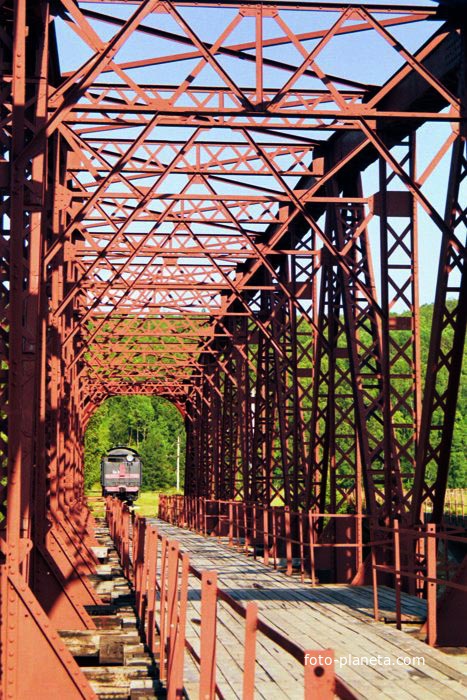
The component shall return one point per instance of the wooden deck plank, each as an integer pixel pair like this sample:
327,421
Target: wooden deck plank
336,616
381,675
230,657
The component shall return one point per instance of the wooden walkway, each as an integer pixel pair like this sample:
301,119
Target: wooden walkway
335,616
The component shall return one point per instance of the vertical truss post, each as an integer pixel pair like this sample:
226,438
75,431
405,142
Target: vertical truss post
244,375
27,632
262,486
400,334
443,370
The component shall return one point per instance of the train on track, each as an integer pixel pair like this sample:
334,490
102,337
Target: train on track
121,471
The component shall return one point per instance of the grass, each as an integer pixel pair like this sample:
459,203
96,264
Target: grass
147,504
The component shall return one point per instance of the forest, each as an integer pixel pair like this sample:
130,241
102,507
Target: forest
153,426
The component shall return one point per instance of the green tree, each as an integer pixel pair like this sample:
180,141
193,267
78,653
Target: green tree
155,455
151,425
140,416
96,443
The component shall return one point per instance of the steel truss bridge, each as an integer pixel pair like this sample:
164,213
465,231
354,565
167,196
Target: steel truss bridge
224,204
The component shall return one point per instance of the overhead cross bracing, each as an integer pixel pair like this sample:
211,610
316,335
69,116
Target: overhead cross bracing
238,206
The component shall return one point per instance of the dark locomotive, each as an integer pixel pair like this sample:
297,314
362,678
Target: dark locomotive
121,474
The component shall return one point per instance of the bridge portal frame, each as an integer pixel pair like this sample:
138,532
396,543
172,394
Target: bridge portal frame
248,405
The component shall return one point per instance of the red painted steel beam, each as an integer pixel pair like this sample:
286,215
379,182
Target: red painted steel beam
176,245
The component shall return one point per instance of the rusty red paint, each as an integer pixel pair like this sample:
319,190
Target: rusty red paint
139,266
